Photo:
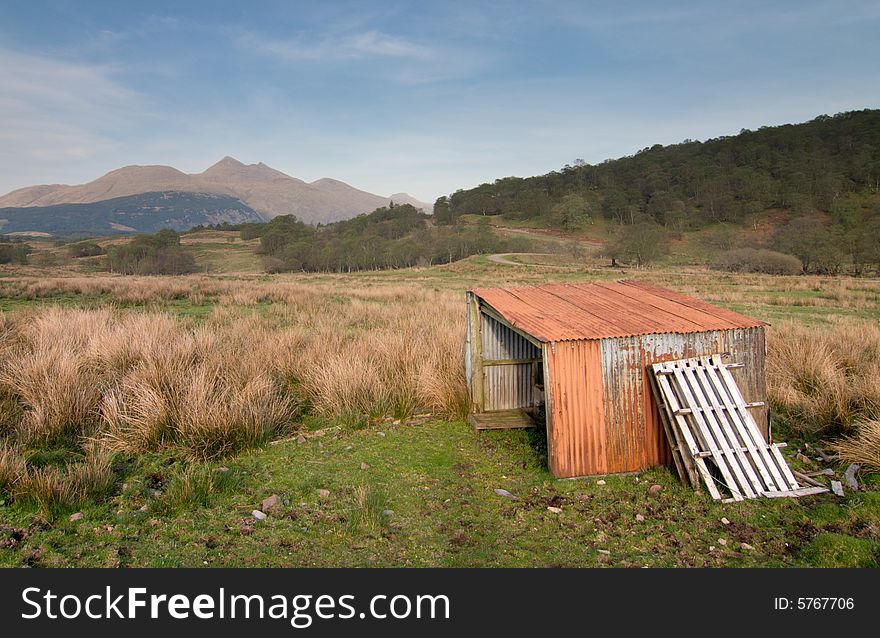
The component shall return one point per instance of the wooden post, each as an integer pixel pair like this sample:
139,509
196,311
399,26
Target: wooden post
476,342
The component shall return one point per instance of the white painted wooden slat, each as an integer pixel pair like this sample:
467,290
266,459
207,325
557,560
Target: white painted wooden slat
684,429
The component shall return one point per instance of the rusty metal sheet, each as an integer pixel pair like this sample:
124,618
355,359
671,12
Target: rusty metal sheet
558,312
576,410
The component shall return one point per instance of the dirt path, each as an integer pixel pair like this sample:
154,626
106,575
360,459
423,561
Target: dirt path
502,258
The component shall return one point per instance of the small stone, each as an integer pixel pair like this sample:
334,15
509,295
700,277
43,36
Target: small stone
655,489
323,493
504,493
364,466
604,551
600,482
300,439
349,448
828,471
144,508
382,434
555,510
850,476
640,518
722,541
724,520
76,517
269,503
257,514
746,546
223,469
837,488
155,493
387,512
153,522
711,548
396,422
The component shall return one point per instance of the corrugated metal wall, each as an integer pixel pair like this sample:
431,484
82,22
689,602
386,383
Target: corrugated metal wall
575,409
603,413
512,385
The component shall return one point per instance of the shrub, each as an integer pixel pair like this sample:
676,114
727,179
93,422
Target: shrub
85,249
757,260
13,253
159,254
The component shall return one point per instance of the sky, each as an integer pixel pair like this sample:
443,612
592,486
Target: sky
422,97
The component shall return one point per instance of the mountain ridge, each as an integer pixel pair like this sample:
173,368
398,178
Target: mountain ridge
266,190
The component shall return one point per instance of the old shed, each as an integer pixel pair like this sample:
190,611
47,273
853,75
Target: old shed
578,354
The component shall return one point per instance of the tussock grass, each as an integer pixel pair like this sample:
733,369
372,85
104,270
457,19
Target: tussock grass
825,379
54,490
863,447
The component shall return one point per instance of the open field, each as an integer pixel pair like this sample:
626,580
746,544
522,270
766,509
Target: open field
148,404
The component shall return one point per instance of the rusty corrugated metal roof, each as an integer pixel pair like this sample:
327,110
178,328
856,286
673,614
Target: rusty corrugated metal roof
560,312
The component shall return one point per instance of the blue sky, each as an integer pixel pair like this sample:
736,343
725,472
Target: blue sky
426,97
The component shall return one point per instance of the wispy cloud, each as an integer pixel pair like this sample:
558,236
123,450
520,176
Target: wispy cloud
352,46
57,110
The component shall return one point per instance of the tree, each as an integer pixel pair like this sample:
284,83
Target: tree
642,243
572,212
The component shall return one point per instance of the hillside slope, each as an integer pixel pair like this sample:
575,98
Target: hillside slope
147,212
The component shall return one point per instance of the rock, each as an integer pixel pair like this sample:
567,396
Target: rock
711,548
387,512
382,434
144,508
837,488
153,522
301,439
555,510
640,518
722,541
323,493
600,482
803,459
725,521
257,514
604,551
155,493
850,476
828,472
364,466
76,517
269,503
395,422
746,546
655,489
504,493
222,469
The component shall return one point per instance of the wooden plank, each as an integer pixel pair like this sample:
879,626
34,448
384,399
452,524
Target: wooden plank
509,362
685,469
684,428
754,404
501,420
477,381
751,482
800,491
707,435
763,463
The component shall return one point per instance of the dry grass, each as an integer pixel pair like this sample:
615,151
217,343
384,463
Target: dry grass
52,489
137,381
825,379
862,448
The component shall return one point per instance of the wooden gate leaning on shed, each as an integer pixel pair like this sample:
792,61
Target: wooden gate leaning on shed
713,435
583,353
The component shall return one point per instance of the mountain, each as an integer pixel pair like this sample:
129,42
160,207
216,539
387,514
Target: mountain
265,190
144,212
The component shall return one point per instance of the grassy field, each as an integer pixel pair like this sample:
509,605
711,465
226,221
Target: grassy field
158,413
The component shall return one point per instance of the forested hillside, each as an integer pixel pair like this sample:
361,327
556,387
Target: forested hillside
823,175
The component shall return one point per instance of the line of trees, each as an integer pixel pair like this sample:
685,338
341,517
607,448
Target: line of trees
396,236
157,254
